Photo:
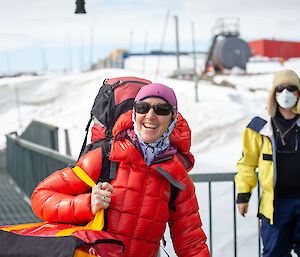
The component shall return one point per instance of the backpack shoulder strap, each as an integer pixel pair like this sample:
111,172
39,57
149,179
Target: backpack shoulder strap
174,192
109,168
85,138
113,170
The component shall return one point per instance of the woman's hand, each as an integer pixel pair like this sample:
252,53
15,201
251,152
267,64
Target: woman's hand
243,208
100,197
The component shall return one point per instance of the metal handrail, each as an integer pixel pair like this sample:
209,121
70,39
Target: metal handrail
223,177
29,163
39,148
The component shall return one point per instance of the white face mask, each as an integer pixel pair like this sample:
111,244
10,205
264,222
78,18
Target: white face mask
286,99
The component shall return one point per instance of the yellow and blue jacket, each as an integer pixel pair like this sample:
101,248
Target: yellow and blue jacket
258,152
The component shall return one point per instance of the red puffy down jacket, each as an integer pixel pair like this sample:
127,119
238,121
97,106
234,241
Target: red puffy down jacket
139,209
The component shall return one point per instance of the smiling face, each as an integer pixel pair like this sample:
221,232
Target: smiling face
150,125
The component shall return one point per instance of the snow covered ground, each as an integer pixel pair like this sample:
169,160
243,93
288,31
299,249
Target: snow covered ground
217,121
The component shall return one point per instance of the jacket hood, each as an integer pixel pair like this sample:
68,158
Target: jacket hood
180,136
282,77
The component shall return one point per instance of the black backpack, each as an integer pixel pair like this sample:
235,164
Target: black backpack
115,97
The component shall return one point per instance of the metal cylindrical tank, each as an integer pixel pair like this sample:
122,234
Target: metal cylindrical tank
229,52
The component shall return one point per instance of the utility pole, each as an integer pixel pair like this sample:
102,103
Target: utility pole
18,106
92,46
145,52
70,54
162,43
44,60
8,66
177,42
81,53
195,62
130,40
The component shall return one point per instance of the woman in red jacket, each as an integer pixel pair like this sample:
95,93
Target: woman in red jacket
151,145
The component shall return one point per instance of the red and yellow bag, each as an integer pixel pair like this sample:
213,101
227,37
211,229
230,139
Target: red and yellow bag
57,240
60,240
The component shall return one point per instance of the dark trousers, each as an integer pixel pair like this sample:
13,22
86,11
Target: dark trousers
279,239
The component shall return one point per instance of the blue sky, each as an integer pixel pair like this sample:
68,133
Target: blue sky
46,35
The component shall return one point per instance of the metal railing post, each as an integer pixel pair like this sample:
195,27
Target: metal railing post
259,235
210,220
234,221
67,140
222,177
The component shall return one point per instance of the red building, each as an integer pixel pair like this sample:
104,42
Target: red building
274,48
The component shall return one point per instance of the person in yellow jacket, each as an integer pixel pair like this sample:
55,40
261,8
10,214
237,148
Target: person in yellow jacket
271,144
